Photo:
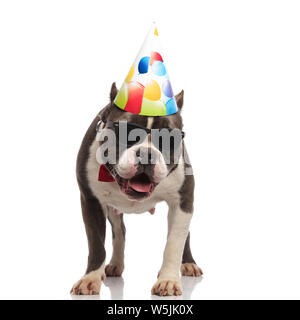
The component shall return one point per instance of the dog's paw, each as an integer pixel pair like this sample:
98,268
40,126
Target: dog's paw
112,270
191,270
89,284
167,288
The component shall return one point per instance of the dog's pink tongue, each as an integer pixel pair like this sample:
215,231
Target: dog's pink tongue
140,186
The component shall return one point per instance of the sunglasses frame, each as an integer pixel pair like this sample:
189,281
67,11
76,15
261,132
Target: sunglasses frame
148,131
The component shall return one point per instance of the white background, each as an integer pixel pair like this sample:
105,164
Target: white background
238,62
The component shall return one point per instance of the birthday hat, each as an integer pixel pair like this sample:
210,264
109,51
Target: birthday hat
147,88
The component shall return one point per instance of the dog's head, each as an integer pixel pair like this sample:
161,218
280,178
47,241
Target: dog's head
139,151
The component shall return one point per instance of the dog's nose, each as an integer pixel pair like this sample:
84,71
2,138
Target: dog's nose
146,155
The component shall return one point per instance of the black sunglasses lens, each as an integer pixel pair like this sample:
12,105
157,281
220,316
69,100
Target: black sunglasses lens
133,140
167,142
129,134
131,127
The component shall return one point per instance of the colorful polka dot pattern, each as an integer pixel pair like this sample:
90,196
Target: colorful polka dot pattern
147,89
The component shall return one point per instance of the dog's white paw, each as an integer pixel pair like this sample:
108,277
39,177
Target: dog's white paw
164,287
112,270
191,270
89,284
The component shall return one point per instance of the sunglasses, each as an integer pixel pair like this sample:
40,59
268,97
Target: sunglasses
129,134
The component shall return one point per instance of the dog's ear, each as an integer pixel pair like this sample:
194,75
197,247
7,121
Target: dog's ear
113,92
179,99
103,114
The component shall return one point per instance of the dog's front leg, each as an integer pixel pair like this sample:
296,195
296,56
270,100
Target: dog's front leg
94,218
168,282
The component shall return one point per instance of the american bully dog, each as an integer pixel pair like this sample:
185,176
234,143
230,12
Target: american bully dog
137,179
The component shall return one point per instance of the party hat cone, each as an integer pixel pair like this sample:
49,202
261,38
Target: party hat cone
147,88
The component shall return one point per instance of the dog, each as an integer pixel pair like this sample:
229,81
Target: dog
135,187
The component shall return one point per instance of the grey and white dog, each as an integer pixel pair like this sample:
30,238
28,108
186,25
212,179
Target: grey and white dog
136,187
